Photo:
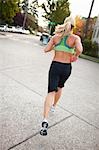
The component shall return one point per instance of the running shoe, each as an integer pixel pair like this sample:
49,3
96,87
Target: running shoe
44,128
52,109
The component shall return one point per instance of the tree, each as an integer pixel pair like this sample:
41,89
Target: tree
56,11
79,26
8,9
33,15
30,14
24,5
33,8
31,22
18,19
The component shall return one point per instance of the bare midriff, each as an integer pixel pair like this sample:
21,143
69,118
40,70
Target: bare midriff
61,56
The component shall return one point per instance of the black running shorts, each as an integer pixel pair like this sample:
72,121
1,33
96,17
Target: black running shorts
58,74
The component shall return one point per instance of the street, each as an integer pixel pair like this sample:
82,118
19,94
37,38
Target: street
23,86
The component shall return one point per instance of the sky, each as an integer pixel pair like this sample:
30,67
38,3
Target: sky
77,7
82,7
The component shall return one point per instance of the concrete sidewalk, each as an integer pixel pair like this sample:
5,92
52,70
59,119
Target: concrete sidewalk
23,87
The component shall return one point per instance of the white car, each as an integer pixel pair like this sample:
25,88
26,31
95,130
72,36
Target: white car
21,30
25,31
3,28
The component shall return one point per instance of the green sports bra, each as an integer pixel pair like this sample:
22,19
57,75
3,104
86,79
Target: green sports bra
62,46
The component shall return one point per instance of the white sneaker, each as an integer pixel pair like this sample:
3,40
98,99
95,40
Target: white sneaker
44,128
52,109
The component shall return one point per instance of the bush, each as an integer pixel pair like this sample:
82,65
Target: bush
90,48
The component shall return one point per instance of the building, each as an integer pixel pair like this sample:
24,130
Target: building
95,36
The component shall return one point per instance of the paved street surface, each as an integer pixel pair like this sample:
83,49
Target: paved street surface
23,87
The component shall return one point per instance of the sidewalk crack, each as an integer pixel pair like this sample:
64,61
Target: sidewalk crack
77,116
33,135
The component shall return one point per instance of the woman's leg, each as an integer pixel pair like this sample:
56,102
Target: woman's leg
57,96
48,103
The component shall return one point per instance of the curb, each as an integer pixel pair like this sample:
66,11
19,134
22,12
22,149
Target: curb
1,33
94,59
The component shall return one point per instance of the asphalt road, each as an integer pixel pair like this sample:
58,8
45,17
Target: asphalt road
23,87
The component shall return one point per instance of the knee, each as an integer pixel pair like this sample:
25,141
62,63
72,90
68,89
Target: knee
51,94
59,89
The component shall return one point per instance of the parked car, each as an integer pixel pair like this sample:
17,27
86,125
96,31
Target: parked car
24,31
21,30
7,28
3,28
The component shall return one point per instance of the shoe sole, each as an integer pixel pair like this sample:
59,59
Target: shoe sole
43,133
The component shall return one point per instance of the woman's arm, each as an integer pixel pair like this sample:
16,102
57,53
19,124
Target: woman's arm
78,46
50,45
78,49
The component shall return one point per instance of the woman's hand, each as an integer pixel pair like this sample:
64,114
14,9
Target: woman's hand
73,58
49,46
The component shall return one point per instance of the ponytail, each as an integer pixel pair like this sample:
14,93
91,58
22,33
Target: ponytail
63,29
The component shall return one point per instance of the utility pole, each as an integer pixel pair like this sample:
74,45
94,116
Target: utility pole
26,12
88,19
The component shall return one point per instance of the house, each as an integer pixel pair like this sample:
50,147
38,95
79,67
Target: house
95,35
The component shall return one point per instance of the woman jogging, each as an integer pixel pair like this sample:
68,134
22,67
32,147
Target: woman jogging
67,47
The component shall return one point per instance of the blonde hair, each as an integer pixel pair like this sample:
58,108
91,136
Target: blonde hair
69,19
65,28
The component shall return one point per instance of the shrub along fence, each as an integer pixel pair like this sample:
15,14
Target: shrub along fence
90,48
